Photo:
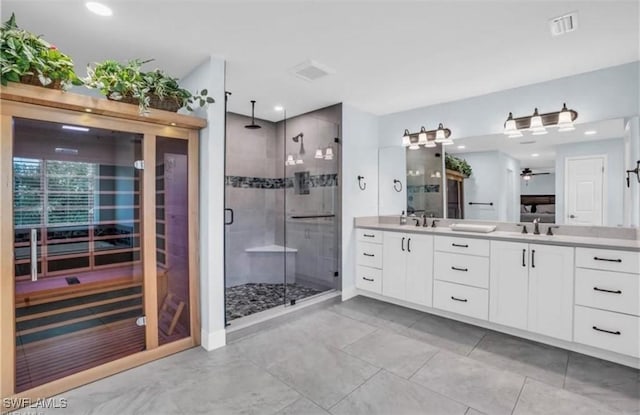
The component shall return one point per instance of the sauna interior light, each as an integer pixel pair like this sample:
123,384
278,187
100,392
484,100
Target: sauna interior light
75,128
99,8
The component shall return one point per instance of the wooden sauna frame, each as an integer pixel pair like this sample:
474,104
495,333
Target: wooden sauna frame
23,101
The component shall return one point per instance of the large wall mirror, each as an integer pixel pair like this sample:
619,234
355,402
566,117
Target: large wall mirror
569,178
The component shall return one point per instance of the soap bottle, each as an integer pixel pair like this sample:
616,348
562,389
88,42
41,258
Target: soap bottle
403,219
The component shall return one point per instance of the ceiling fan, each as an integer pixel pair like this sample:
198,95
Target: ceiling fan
527,174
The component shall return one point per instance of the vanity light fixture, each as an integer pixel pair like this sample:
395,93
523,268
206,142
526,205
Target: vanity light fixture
426,138
299,160
290,161
328,153
436,174
537,123
319,154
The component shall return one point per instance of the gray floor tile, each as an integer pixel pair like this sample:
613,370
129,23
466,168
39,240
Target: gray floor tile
535,360
378,313
232,388
302,406
386,394
323,374
538,398
478,385
331,329
446,334
396,353
614,385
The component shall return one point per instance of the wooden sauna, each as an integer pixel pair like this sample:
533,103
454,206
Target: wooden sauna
98,238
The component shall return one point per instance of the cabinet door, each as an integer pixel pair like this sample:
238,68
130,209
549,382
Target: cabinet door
551,290
508,284
419,286
394,264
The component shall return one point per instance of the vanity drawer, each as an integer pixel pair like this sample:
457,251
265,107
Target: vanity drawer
608,260
467,246
613,291
369,254
461,299
461,269
607,330
369,279
368,235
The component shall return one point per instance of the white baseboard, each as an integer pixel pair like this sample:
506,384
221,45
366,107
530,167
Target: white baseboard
348,293
214,340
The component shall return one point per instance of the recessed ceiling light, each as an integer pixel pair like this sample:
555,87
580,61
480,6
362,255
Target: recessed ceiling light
98,8
535,155
173,124
461,147
278,108
87,109
75,128
590,132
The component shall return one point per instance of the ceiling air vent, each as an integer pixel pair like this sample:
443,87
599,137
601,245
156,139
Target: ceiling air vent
311,70
564,24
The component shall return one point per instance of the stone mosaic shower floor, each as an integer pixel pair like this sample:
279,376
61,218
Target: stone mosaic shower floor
243,300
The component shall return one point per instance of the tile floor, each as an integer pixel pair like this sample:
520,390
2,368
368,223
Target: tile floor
368,357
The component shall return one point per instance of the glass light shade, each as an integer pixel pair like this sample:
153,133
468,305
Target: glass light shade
540,131
414,146
440,137
299,161
515,134
535,125
328,154
526,177
565,123
319,154
436,174
290,161
446,142
418,173
422,137
406,139
410,173
510,127
430,144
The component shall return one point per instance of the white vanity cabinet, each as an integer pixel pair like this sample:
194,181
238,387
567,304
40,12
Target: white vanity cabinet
607,300
532,287
408,267
369,260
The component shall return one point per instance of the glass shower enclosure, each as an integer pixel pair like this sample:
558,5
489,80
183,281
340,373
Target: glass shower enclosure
282,203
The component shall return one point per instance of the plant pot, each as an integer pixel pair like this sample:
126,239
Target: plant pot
166,104
33,80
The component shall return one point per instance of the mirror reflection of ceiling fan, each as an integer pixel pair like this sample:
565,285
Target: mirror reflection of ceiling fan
527,174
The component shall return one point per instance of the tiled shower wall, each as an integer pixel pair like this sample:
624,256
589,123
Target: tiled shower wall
256,186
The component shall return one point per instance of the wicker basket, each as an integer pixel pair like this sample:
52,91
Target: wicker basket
34,80
166,104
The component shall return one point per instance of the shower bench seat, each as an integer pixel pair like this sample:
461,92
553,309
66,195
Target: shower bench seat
267,263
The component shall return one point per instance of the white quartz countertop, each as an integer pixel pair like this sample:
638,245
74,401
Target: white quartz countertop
564,240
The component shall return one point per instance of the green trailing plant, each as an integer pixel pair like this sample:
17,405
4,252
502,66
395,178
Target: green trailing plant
128,83
457,164
24,55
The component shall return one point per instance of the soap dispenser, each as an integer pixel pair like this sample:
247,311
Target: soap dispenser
403,219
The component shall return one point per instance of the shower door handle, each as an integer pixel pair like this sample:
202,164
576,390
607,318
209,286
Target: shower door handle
34,254
231,220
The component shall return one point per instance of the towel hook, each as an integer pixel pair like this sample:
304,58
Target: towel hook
361,184
395,182
635,171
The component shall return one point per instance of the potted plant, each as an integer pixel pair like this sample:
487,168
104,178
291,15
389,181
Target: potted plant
29,59
457,164
128,83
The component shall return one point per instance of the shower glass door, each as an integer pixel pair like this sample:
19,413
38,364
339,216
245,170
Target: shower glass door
312,207
77,232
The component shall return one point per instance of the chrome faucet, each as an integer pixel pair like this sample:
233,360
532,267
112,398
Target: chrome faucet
536,226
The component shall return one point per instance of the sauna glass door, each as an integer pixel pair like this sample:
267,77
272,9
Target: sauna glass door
77,229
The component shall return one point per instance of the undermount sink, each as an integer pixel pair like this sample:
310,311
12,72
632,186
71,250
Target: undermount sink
467,227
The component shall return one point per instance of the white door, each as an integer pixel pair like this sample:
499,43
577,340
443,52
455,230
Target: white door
394,264
551,290
584,181
509,284
419,285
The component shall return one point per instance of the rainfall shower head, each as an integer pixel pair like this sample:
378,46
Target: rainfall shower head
253,125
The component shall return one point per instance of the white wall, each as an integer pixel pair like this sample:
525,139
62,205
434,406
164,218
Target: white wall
211,75
539,185
392,162
614,196
359,157
603,94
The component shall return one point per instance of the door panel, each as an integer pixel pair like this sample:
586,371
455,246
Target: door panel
585,196
419,284
78,271
551,290
394,265
508,286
